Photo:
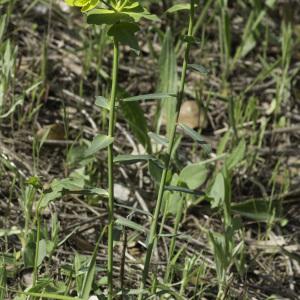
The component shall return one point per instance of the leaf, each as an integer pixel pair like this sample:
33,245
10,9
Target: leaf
217,191
130,224
136,11
168,80
178,7
93,191
124,33
102,102
90,5
236,156
69,186
155,170
2,281
159,139
194,175
155,96
49,197
198,68
132,159
105,16
48,295
257,209
135,117
90,274
191,39
183,190
196,137
42,251
98,143
78,3
29,250
12,109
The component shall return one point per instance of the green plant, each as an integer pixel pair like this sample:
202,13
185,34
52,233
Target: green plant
121,16
152,237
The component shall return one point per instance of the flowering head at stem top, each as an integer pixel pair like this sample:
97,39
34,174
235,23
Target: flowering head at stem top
121,16
85,5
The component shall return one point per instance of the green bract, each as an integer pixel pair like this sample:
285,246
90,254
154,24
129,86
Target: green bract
84,4
122,16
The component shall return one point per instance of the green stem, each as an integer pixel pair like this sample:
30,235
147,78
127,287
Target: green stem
110,169
173,242
38,237
153,228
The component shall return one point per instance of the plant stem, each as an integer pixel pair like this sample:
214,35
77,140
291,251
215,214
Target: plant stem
110,169
38,237
167,276
153,228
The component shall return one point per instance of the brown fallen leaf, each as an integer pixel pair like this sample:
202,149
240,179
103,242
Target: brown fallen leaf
52,132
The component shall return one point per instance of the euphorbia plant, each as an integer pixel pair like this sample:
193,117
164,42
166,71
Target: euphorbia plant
121,16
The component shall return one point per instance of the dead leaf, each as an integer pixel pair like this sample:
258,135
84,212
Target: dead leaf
52,132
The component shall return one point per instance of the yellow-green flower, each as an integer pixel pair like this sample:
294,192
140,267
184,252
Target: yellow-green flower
84,4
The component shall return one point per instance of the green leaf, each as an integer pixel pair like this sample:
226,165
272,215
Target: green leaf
48,295
257,209
49,197
191,39
155,170
178,7
196,137
158,139
183,190
194,175
90,5
90,274
135,117
124,33
102,102
3,277
99,142
12,109
155,96
236,156
217,191
168,81
198,68
130,224
105,16
132,159
42,251
136,11
93,191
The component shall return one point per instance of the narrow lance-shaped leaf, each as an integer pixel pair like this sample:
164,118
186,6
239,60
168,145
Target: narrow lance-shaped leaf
179,7
196,137
155,96
130,224
184,190
98,143
89,276
159,139
135,118
131,159
168,80
198,68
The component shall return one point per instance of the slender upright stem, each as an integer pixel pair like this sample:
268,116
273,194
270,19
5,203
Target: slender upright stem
153,228
168,276
110,161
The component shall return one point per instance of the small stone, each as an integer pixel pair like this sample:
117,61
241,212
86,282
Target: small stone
121,192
